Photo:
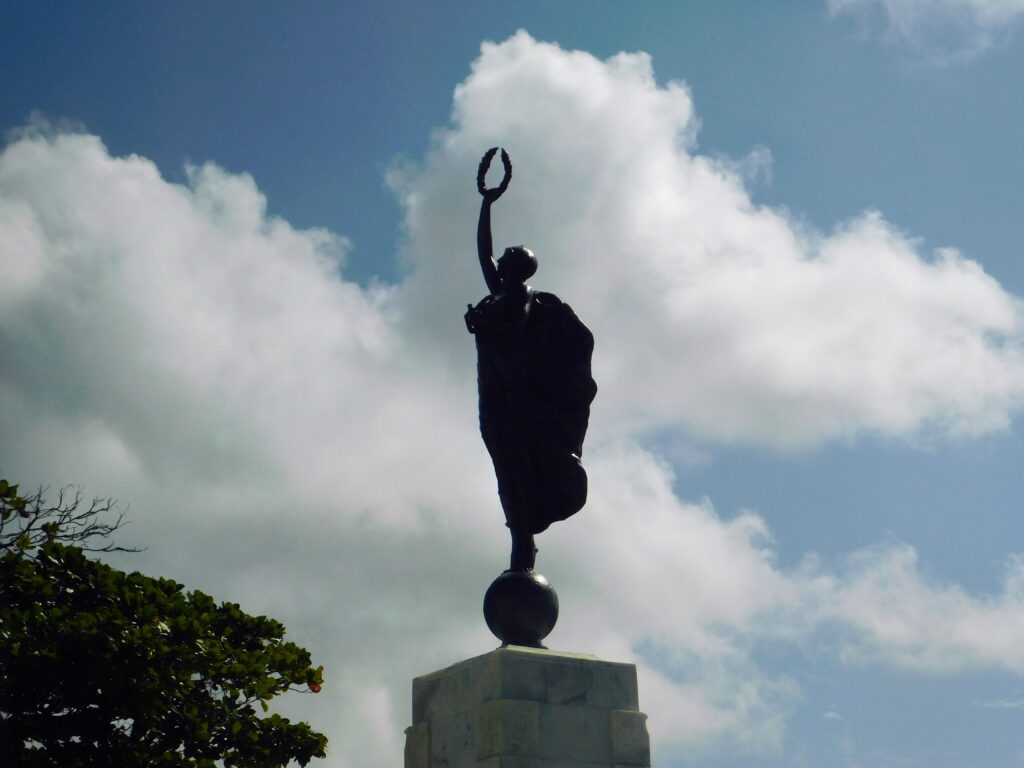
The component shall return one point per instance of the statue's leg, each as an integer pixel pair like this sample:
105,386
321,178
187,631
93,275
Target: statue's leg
524,552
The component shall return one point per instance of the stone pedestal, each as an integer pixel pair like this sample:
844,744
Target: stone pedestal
527,708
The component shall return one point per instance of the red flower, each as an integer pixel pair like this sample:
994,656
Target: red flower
314,687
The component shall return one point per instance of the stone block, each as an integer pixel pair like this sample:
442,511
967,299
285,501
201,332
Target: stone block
453,741
630,743
523,676
507,727
417,746
578,734
451,691
569,683
510,761
600,684
527,708
614,687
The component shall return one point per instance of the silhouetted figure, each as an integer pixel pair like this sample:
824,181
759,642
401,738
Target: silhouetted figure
533,372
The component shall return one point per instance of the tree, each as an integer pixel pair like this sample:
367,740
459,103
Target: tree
99,667
30,521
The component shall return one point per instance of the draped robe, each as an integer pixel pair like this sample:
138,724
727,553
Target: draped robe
535,390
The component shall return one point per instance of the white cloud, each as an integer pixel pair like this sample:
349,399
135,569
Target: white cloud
711,313
998,703
943,30
308,447
903,618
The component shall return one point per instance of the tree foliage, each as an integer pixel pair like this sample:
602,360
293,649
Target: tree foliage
99,667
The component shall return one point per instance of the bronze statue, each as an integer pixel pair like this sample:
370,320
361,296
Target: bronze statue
535,386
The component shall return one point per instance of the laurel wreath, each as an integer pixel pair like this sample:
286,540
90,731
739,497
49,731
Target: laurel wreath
485,164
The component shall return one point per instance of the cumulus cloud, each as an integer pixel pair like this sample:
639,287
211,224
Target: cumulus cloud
308,446
943,30
903,618
712,314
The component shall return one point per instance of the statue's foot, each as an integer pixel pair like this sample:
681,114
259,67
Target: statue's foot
524,552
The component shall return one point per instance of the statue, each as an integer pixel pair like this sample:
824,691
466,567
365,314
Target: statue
535,387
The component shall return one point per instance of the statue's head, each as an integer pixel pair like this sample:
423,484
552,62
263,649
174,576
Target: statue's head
517,264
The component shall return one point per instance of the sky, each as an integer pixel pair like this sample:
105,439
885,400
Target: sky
236,243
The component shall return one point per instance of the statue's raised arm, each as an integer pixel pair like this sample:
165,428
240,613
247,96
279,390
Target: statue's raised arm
484,245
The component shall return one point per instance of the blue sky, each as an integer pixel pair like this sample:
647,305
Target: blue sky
813,410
